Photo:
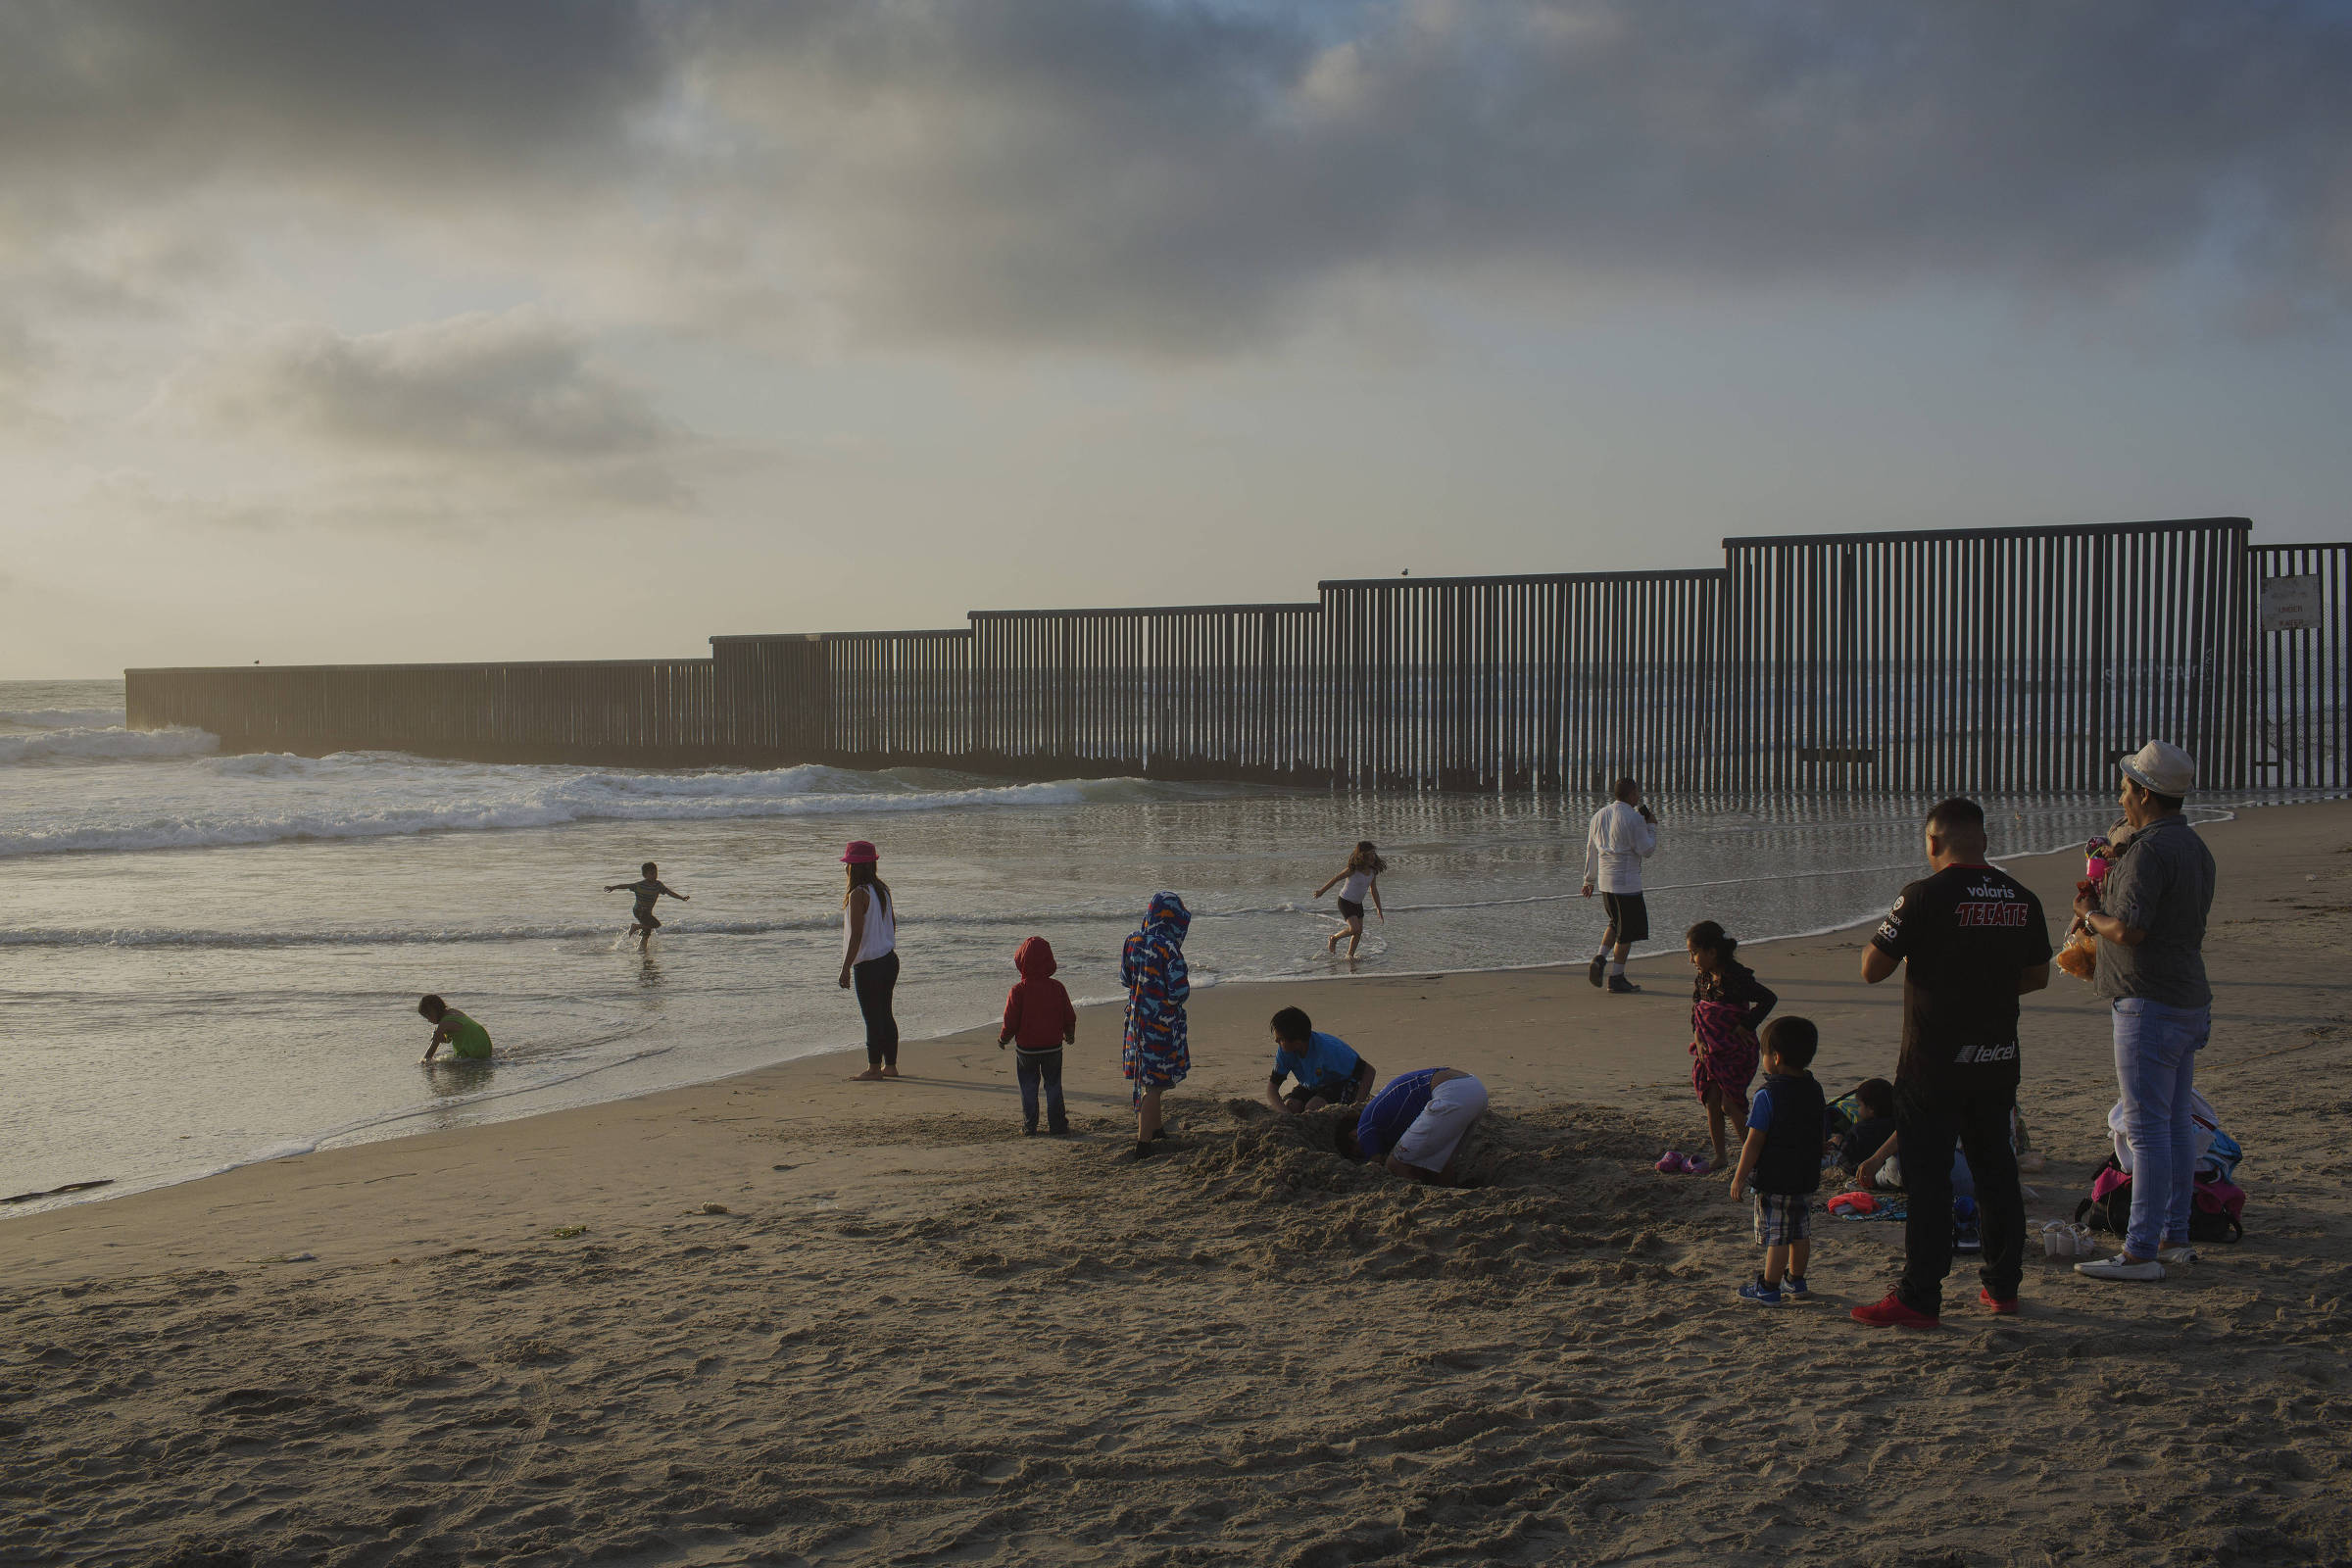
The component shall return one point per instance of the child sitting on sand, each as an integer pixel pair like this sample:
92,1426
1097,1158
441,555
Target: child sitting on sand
1781,1155
1038,1020
642,923
1858,1126
1361,876
1324,1068
1727,1007
467,1041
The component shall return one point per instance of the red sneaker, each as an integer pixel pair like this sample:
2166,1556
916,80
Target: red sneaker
1891,1312
2000,1307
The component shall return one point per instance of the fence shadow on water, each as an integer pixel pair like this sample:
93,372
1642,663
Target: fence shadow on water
1995,659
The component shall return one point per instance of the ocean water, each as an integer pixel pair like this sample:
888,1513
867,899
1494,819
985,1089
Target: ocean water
206,961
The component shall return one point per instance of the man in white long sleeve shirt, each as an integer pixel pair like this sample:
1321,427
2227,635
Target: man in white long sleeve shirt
1623,835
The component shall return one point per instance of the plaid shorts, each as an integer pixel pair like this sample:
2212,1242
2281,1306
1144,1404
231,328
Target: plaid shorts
1784,1217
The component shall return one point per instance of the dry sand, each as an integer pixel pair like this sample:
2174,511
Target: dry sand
790,1318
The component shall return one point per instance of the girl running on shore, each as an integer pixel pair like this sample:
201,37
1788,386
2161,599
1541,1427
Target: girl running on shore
869,956
1156,1054
1728,1004
1362,880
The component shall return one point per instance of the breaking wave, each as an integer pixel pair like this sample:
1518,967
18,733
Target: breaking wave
273,798
112,745
62,717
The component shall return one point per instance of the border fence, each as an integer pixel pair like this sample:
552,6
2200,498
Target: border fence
2012,660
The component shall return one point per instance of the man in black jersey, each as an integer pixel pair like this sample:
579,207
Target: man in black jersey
1971,940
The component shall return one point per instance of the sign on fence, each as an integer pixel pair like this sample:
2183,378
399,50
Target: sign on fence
2293,603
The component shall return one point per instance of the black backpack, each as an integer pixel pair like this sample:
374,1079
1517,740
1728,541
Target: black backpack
2109,1205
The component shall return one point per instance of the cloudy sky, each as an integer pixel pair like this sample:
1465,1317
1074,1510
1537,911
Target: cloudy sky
436,329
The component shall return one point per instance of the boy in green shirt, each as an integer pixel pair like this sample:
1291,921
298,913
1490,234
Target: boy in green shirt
467,1041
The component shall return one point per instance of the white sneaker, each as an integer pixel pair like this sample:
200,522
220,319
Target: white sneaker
2181,1253
2120,1267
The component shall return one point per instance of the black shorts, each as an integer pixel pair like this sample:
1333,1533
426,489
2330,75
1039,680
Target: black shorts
1628,916
1350,910
645,918
1340,1092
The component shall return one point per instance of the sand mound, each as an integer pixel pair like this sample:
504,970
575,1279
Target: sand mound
1544,1194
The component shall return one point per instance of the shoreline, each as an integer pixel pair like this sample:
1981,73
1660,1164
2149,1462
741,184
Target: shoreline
296,1146
793,1318
802,1081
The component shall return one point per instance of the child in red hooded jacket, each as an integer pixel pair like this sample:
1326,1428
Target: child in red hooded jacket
1039,1021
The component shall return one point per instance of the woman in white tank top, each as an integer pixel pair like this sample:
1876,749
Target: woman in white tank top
1361,874
869,956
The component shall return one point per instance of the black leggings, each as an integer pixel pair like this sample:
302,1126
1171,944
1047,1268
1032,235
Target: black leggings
874,980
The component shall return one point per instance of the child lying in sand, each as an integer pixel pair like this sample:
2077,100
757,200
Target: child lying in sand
1414,1128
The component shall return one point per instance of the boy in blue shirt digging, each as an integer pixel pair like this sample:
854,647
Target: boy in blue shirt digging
1325,1070
1782,1154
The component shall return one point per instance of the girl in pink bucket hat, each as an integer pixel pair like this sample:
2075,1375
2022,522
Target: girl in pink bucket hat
869,956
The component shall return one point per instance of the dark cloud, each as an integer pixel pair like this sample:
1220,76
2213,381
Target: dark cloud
439,90
1172,176
1177,173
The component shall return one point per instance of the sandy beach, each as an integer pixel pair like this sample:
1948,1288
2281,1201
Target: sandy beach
790,1318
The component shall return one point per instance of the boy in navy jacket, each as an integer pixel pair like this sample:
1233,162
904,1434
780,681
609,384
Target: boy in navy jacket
1783,1155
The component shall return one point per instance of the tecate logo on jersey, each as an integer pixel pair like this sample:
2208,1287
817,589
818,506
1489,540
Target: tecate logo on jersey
1989,914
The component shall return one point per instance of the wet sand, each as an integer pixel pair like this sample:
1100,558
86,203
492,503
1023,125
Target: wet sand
793,1318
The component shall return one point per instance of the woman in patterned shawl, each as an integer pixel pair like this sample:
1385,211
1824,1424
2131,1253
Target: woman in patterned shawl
1155,1056
1727,1006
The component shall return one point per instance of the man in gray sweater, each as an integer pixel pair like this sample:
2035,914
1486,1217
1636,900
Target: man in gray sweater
2149,917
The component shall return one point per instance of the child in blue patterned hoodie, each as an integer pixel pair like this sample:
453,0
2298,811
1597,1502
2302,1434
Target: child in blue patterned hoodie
1156,1054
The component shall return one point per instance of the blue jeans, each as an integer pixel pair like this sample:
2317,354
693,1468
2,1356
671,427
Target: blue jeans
1042,1070
2155,1067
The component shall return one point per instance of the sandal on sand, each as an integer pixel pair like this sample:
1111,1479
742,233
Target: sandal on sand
1697,1165
1670,1163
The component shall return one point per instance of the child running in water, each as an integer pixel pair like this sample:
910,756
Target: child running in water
642,924
1727,1007
1361,876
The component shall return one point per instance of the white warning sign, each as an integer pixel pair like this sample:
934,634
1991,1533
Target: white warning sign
2292,603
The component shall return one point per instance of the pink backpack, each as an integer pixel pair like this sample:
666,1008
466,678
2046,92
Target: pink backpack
2215,1211
2217,1208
